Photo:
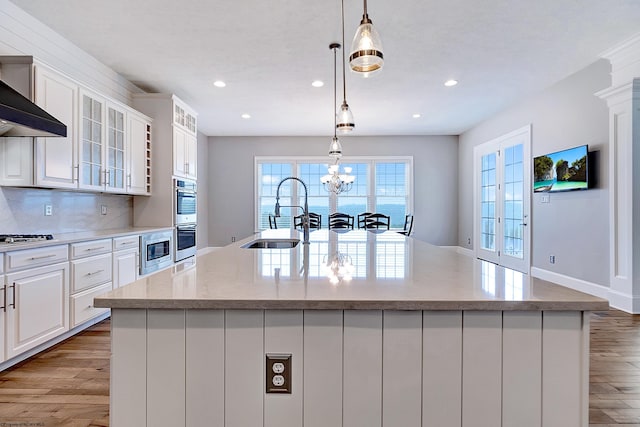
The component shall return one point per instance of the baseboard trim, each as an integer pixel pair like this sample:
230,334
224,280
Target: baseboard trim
32,352
206,250
460,250
571,282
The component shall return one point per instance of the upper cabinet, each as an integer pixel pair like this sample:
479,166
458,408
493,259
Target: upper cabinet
107,147
185,141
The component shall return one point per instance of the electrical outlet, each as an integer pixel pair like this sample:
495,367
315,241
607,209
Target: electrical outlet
103,209
48,210
552,259
233,239
469,241
278,373
545,198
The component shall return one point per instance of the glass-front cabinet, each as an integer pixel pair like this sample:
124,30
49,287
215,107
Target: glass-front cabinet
91,141
115,170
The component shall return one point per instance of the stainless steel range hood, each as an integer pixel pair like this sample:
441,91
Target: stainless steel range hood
21,117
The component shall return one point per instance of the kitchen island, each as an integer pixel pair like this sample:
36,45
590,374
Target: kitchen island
381,330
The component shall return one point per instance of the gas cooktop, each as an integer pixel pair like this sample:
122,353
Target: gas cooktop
16,238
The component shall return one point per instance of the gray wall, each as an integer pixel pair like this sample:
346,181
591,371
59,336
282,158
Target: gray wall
574,226
231,179
202,235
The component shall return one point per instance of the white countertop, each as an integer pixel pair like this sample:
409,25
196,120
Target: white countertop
65,238
388,271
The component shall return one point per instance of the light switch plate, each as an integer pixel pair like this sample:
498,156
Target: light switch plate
278,373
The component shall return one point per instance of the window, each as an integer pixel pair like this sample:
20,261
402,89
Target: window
381,185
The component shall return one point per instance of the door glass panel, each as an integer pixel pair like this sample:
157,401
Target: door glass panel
513,202
488,202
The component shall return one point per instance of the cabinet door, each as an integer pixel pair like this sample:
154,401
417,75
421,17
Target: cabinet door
192,156
56,156
91,148
3,305
115,150
180,160
125,267
137,154
37,307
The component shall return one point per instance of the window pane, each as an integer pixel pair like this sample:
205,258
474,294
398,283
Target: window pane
270,175
391,191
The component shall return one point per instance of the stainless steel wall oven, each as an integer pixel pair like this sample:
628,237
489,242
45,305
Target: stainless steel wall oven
185,202
185,241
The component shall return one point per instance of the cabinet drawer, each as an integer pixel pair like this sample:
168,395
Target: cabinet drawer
82,308
1,263
88,272
35,257
93,247
126,242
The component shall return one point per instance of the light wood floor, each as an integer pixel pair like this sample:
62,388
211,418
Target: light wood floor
68,385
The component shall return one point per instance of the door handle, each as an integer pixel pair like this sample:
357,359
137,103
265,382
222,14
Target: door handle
14,295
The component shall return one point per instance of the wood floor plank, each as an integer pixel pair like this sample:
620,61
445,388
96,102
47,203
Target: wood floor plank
68,385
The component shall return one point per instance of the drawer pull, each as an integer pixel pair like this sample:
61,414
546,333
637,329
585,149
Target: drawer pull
95,272
14,295
33,258
4,300
94,249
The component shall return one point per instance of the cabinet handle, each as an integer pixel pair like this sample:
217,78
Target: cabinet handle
129,180
93,249
95,272
76,173
14,295
33,258
4,300
107,178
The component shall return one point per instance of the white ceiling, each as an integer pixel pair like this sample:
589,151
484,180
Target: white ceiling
269,52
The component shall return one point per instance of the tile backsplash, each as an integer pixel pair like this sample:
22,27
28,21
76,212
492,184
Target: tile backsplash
22,211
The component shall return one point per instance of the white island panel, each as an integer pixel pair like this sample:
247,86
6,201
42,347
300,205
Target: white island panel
402,368
362,399
283,335
323,368
481,368
205,367
522,369
442,368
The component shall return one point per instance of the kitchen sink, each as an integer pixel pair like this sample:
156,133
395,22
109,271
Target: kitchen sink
272,244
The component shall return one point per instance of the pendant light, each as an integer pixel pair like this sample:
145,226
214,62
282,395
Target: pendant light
335,149
366,50
345,116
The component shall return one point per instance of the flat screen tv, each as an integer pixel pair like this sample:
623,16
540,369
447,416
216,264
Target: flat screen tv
565,170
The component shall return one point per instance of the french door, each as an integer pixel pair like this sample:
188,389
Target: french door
502,185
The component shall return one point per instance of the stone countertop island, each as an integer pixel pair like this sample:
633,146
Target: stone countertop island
379,329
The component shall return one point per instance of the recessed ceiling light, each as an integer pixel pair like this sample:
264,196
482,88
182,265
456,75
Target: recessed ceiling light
246,116
219,83
317,83
416,115
450,83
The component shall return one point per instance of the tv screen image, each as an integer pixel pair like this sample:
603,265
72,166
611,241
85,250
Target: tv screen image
561,171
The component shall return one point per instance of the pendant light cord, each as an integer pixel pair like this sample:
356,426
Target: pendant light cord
335,90
344,81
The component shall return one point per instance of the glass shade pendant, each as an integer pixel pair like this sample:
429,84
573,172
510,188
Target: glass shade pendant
345,121
366,50
335,149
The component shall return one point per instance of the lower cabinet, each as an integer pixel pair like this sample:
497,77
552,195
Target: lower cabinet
37,307
82,308
126,252
2,316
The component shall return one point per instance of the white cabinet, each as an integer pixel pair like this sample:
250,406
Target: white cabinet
107,147
42,161
56,156
126,253
37,307
139,154
3,307
174,155
185,141
91,275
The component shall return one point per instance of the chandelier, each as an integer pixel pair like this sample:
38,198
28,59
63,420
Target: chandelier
338,268
337,182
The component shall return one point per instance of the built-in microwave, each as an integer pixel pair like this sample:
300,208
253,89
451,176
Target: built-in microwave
185,202
155,251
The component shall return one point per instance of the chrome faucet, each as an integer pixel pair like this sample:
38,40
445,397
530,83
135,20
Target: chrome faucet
305,208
